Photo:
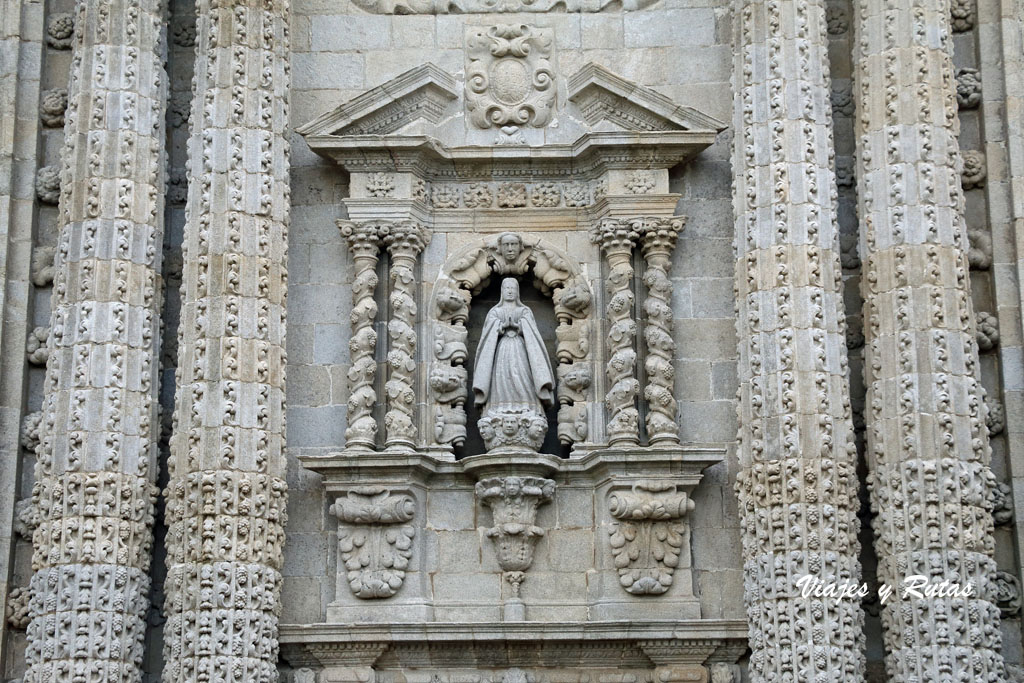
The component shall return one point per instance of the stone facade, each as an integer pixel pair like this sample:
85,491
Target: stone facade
769,250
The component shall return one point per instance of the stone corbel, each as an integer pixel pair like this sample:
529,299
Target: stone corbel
375,539
364,242
616,238
649,535
514,501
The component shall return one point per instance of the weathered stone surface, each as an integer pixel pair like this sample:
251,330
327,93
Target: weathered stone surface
226,496
925,405
797,485
96,456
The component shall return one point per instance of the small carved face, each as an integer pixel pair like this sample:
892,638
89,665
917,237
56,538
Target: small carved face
509,425
510,245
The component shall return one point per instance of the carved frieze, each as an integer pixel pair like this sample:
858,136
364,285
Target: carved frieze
495,6
649,536
375,539
509,80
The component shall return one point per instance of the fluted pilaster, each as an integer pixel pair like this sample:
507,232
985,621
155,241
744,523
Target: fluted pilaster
94,489
226,497
927,443
797,486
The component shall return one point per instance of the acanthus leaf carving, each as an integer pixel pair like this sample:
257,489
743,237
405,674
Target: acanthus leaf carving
649,536
375,539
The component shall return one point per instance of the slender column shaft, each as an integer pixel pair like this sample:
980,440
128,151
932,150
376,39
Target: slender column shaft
94,489
797,485
364,244
404,242
226,498
928,448
659,241
616,239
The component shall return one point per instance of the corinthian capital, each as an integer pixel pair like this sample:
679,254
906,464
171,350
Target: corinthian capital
363,237
615,235
407,238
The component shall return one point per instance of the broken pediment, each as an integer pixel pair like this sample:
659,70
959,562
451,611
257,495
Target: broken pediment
425,121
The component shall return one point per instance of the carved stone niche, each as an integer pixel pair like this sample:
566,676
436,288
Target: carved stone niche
415,157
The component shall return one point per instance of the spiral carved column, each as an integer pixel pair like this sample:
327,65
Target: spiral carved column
227,493
364,244
927,443
797,486
404,242
658,241
94,488
616,238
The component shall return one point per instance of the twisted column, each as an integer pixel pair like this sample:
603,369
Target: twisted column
226,496
616,238
658,241
927,443
96,466
404,242
797,485
364,244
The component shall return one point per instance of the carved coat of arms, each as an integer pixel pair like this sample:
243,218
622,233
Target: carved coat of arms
509,80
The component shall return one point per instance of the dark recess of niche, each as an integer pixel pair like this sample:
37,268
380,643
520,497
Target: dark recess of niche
544,313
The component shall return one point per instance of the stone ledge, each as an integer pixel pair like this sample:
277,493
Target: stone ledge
529,644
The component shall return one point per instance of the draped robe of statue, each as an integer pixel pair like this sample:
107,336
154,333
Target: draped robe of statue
512,378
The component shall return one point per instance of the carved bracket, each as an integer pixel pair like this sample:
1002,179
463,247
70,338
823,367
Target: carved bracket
649,536
514,502
374,539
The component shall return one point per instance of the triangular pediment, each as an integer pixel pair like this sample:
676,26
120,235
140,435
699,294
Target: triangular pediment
416,122
605,97
420,93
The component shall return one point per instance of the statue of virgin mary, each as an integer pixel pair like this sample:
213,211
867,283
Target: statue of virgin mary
512,379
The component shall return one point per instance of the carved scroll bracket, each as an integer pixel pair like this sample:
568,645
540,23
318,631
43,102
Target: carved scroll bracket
514,502
650,535
375,541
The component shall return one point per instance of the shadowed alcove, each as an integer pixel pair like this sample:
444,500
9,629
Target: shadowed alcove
544,313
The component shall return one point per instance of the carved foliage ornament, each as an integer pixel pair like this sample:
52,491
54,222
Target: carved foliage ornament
649,536
514,502
375,540
509,80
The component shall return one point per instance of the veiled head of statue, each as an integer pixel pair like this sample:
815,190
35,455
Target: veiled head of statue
510,290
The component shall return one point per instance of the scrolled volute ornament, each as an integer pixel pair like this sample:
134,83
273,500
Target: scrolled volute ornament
375,539
649,535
